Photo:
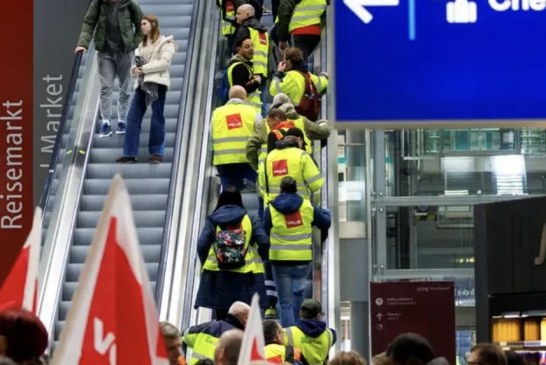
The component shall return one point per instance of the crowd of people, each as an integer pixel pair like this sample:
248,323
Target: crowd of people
257,145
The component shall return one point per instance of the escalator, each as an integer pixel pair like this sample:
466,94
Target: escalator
150,185
207,192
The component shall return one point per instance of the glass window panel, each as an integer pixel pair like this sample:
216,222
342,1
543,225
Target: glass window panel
427,237
488,161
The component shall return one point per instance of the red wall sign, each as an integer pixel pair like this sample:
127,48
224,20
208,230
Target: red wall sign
16,108
426,308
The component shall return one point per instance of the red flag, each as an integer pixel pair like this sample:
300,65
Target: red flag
20,288
253,344
113,318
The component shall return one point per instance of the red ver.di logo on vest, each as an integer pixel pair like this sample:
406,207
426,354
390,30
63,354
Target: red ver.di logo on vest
280,168
263,39
293,219
234,121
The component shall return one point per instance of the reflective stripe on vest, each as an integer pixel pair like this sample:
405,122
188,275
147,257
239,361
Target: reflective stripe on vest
254,98
314,349
285,162
306,13
291,234
261,51
232,127
253,261
227,27
204,347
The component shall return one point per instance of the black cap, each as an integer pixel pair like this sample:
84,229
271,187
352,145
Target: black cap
296,132
310,308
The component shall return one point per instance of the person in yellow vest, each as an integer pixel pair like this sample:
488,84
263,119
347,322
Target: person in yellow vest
302,20
250,27
275,351
231,127
310,334
289,159
313,131
256,147
229,347
229,26
240,72
231,248
289,221
290,77
204,338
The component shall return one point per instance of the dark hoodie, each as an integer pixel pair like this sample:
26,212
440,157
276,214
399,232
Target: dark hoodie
243,32
230,215
314,328
289,203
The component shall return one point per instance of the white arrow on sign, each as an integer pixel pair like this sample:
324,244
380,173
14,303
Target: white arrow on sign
358,7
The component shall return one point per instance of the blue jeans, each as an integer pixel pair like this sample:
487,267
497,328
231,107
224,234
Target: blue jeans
156,143
290,283
232,174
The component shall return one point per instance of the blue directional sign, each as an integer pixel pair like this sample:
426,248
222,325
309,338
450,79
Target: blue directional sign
404,61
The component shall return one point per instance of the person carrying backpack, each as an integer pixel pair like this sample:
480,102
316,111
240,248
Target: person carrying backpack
302,87
231,248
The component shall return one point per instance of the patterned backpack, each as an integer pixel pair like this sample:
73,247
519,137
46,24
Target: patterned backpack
229,247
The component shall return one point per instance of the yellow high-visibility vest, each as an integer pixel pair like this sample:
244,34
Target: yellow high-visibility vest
232,127
306,13
254,97
291,234
314,349
261,51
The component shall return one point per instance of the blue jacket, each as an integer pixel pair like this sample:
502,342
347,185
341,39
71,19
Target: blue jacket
219,289
289,203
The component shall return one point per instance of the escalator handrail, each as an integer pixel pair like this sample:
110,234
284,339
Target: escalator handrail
179,146
180,248
53,163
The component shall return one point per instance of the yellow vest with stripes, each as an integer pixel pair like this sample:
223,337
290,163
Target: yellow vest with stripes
306,13
203,346
253,98
314,349
227,27
261,51
291,234
232,127
288,162
253,261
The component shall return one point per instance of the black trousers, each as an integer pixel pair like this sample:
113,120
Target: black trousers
307,44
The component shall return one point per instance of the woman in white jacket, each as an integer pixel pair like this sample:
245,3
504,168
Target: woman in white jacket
153,63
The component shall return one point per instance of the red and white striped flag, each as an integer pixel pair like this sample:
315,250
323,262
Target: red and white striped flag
113,318
253,344
20,289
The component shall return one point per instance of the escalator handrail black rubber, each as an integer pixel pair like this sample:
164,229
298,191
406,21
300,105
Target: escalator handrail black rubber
73,79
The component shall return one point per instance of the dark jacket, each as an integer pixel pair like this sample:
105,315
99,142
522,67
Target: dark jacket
286,9
289,203
213,328
94,21
242,75
243,32
219,289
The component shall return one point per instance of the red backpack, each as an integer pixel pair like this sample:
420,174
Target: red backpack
309,105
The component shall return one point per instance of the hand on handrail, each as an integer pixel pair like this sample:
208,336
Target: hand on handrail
80,49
